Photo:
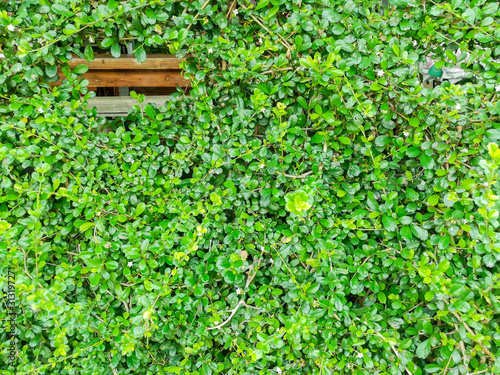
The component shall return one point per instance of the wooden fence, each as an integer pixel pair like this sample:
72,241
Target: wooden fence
158,71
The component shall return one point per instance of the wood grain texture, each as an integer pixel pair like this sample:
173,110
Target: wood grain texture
128,78
108,62
120,105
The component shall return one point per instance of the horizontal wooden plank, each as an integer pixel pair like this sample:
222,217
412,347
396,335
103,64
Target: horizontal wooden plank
108,62
153,90
118,106
128,78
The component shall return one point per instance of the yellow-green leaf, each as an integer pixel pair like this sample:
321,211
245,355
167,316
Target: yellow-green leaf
86,226
140,209
433,200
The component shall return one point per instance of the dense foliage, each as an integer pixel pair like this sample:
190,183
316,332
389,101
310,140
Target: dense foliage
309,208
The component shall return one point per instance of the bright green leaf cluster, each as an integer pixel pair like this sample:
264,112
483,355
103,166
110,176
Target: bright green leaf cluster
311,207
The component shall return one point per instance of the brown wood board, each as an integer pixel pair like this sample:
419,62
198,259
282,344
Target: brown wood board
108,62
128,78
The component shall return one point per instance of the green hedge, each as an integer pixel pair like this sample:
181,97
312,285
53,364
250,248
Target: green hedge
310,208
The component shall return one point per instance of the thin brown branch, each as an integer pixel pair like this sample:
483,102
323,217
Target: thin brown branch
300,176
196,17
242,302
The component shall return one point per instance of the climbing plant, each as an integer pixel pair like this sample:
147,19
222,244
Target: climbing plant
309,208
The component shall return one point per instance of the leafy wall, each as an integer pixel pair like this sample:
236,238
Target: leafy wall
310,208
